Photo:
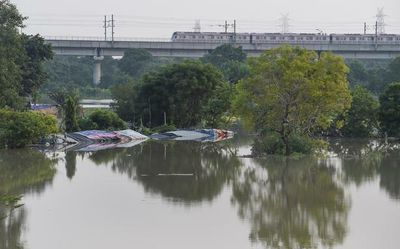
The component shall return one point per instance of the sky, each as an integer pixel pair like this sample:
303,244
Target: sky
160,18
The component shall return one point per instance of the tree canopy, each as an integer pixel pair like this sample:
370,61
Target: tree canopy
181,90
389,112
135,62
21,58
230,60
293,91
362,118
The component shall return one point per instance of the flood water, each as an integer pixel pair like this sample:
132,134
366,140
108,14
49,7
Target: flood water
183,195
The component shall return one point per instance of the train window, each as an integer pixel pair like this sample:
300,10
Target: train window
175,37
389,38
212,37
193,36
352,38
309,38
245,37
299,38
291,38
202,37
324,38
272,38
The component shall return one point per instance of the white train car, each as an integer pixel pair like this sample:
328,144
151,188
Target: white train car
290,38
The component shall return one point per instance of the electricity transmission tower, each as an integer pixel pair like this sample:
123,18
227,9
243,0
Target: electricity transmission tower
380,22
197,26
285,23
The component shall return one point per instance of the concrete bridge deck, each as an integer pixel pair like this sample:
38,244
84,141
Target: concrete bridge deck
164,48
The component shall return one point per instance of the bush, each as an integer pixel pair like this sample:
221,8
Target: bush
87,124
106,120
272,143
163,128
18,129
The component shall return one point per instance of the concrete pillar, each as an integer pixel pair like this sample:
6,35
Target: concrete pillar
97,69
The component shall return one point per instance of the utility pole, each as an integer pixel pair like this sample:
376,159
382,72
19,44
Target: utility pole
234,30
112,28
105,28
376,34
365,28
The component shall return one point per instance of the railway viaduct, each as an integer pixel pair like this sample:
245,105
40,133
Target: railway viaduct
99,48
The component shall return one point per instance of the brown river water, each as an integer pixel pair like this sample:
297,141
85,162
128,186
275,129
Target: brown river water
182,195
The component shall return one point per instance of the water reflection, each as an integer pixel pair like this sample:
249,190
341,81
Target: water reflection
365,160
181,171
21,172
292,203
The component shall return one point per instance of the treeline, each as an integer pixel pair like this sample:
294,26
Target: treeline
21,75
374,75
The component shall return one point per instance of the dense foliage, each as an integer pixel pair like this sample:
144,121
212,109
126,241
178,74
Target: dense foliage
362,118
70,112
389,112
374,75
18,129
230,60
21,57
179,94
293,93
103,120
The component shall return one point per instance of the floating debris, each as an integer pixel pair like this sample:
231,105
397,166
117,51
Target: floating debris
201,135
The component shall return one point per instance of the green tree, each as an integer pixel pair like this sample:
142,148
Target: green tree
135,62
33,74
70,110
293,92
362,118
225,53
394,70
389,112
107,120
125,96
11,53
358,75
230,60
181,91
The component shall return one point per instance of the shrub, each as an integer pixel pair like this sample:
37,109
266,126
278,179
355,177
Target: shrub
18,129
87,124
271,143
107,120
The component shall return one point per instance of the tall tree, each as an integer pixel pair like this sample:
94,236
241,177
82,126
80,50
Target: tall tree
33,74
182,91
389,112
292,91
135,62
11,51
362,118
230,60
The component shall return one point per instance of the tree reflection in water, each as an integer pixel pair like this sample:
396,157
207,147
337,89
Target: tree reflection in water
365,160
21,172
183,172
292,203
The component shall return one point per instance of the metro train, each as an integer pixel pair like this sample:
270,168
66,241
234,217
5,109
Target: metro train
259,38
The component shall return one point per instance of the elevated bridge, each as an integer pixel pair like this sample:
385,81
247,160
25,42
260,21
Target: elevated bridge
91,46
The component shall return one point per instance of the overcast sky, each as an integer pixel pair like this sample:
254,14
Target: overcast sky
159,18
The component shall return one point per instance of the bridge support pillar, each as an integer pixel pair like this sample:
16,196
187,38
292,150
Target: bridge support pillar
97,69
